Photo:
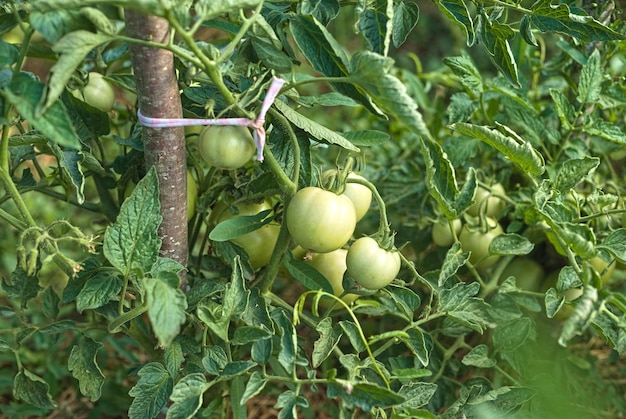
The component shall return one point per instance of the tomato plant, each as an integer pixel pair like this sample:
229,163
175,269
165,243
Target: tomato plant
319,220
370,265
227,147
97,92
115,302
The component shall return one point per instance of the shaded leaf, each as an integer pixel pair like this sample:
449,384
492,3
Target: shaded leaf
32,389
590,81
458,12
187,396
255,385
238,226
405,17
328,340
82,363
166,306
454,260
479,357
99,289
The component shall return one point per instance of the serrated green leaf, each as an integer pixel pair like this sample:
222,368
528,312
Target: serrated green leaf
590,81
307,275
215,360
254,386
187,396
238,226
173,357
323,10
417,394
495,38
440,178
460,304
564,108
364,395
32,389
25,93
99,289
70,162
327,99
578,237
558,18
510,244
366,137
461,108
248,334
458,12
416,342
166,306
454,260
22,286
405,17
518,151
235,368
326,56
58,327
132,242
552,302
606,130
328,340
151,392
615,244
316,130
270,56
261,351
406,300
372,24
526,31
71,49
288,341
466,71
511,335
479,357
83,366
574,171
372,74
582,316
352,332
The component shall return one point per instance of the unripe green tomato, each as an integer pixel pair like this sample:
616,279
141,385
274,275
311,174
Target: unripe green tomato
528,273
192,195
441,233
604,268
332,265
477,242
360,195
226,147
370,265
97,92
258,244
320,221
486,201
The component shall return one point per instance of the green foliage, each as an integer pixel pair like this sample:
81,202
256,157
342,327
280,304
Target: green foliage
531,99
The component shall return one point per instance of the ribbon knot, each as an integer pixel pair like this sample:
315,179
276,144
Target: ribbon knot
256,124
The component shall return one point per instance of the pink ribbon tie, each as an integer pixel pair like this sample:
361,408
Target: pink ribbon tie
257,124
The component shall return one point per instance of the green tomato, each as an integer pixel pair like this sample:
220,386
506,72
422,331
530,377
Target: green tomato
441,233
370,265
319,220
97,93
477,242
487,202
360,195
226,147
604,267
192,195
528,273
332,265
258,244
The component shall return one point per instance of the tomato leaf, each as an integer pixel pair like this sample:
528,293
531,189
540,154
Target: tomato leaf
21,286
559,18
328,340
417,394
8,54
32,389
248,334
517,150
510,244
208,9
458,12
352,332
495,38
373,25
405,17
416,342
151,392
603,129
511,335
173,358
24,93
287,356
454,260
319,132
584,313
310,277
166,306
322,10
615,243
215,359
187,396
553,302
479,357
132,242
82,363
366,137
589,83
363,395
574,171
238,226
99,289
255,385
466,71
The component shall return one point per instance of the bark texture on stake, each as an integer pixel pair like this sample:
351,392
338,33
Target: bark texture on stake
158,95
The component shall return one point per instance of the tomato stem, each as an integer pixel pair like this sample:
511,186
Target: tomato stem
384,236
